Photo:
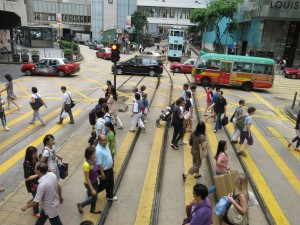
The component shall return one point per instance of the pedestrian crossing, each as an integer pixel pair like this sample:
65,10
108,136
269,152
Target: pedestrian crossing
284,88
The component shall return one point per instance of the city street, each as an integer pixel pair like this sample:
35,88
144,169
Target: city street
273,167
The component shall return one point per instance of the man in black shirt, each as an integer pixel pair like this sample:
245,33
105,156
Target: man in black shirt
177,123
220,108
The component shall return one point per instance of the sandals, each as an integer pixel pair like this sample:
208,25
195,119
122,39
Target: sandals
197,176
242,153
183,177
95,211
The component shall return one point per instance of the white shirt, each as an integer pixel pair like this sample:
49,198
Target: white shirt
36,95
47,192
66,98
100,125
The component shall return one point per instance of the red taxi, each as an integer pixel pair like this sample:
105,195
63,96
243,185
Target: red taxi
51,66
104,53
291,73
183,67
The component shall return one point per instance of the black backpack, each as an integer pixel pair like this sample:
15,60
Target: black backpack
92,117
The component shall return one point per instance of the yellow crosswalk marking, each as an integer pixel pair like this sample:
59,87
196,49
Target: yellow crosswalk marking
143,215
19,118
24,131
284,142
290,176
15,158
263,188
23,89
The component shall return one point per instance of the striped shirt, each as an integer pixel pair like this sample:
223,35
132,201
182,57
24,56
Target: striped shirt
48,193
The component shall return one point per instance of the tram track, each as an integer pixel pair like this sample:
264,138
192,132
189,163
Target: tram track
105,211
259,198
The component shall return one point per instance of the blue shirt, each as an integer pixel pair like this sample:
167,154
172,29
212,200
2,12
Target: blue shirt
103,157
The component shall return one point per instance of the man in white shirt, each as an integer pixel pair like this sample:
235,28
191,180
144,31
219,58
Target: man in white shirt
48,192
184,90
66,106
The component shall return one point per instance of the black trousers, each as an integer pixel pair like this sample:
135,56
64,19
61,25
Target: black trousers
108,183
178,134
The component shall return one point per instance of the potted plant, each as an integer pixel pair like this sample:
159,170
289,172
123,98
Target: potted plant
35,55
68,54
24,55
16,56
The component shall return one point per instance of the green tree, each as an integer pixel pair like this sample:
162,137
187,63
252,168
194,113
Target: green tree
213,14
138,21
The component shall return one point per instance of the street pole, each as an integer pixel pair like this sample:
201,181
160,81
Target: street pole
44,42
115,74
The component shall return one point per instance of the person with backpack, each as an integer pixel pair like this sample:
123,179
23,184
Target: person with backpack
246,131
239,111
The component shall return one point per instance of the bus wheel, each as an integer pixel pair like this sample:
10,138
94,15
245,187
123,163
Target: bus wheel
205,82
247,86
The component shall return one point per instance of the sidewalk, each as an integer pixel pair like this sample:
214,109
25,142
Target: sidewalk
54,52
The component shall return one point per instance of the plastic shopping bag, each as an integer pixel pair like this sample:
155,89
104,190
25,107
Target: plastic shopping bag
252,199
64,115
222,206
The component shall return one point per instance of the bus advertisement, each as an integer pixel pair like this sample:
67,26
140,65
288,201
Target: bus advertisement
175,45
246,72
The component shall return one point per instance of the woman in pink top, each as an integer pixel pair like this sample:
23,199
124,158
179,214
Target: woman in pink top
221,158
209,100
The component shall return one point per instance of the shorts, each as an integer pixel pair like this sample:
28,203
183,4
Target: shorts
145,110
187,116
245,135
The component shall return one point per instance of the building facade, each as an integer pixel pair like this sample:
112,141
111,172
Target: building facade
12,13
272,26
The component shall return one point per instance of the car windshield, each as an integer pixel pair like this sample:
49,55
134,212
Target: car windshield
66,61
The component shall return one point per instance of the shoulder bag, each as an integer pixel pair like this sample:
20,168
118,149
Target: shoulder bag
37,104
63,169
235,217
72,102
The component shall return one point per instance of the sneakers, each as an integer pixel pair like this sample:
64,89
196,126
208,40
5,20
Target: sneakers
43,124
182,143
115,198
7,128
71,122
215,131
174,146
120,127
234,142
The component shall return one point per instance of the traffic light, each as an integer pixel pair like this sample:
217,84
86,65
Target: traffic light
115,52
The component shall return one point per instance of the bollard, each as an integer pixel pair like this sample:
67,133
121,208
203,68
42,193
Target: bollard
294,101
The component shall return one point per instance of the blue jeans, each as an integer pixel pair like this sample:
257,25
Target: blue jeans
3,120
43,218
218,122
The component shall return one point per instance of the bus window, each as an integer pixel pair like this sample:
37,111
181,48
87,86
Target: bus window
171,47
247,67
179,47
238,66
263,69
181,34
226,67
214,64
171,34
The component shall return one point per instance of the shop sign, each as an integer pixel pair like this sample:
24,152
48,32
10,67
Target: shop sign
284,4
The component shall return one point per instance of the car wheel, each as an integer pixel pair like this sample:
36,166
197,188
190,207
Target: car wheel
293,76
247,86
152,73
205,82
176,70
28,72
119,71
61,73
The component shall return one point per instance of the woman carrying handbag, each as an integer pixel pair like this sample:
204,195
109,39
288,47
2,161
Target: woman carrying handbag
36,102
237,213
31,179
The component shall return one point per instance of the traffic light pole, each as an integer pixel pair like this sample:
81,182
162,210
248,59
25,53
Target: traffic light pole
115,74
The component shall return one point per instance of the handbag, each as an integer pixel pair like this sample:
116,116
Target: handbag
222,206
63,169
235,217
72,102
224,121
37,104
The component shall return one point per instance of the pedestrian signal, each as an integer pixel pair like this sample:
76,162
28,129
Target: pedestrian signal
115,52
